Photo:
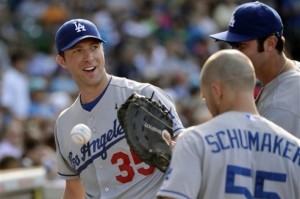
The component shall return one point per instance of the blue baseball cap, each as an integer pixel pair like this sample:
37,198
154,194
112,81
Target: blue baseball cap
251,21
74,31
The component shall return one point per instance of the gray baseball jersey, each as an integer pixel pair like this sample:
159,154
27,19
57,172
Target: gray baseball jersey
106,166
235,155
280,101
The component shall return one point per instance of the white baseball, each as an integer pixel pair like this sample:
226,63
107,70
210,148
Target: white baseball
81,134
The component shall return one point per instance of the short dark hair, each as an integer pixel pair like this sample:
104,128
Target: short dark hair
17,55
279,46
62,53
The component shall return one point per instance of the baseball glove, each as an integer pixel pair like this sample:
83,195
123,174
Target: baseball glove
144,122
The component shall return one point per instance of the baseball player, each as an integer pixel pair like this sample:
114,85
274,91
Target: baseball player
237,154
105,167
257,30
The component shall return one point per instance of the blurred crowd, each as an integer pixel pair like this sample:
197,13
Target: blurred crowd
162,42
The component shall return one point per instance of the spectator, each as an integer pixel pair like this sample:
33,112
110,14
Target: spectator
15,91
38,153
12,142
40,106
10,162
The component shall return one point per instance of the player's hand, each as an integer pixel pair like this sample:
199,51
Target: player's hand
167,138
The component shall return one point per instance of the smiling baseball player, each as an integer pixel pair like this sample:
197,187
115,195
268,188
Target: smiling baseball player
237,154
105,167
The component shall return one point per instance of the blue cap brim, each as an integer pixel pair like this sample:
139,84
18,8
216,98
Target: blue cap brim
79,39
231,37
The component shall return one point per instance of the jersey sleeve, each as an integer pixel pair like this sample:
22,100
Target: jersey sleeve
168,102
65,171
183,177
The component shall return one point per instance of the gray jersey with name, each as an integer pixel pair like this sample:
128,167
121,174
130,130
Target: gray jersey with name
106,166
235,155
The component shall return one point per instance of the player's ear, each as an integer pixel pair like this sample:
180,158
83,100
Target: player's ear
217,92
270,43
61,61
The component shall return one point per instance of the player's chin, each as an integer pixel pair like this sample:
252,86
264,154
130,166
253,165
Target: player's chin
93,82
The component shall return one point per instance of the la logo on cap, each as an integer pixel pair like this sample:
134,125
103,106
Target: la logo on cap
79,27
232,21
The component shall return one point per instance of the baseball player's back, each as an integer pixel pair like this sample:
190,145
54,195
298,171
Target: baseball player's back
235,155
